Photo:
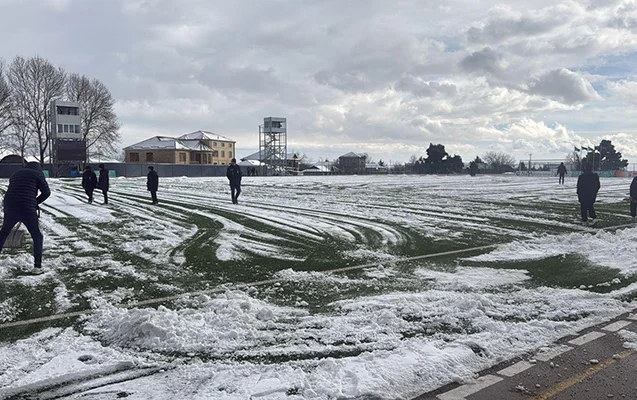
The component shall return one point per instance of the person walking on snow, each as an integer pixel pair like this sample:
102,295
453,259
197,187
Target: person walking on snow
633,199
21,204
103,183
587,187
234,176
89,182
152,184
561,171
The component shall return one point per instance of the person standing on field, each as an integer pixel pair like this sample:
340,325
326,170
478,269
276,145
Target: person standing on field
103,183
587,187
561,171
234,176
89,182
22,204
152,184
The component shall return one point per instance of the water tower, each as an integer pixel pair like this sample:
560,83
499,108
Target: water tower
273,145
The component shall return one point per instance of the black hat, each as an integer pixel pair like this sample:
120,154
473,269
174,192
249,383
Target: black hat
88,167
101,166
233,160
150,167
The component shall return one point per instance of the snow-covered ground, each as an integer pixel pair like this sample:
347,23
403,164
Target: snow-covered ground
308,324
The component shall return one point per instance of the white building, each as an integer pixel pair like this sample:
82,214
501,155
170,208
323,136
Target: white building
65,120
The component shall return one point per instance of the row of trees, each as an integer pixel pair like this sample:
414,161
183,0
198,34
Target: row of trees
604,158
27,87
439,161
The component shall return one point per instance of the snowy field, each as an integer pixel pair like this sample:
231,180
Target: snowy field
310,288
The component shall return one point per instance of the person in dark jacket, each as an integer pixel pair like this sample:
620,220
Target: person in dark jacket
587,187
152,183
234,176
21,204
103,183
633,199
89,182
561,171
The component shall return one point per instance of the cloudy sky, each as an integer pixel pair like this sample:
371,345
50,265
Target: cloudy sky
383,77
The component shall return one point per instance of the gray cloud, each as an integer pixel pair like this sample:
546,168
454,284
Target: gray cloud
418,87
486,61
564,84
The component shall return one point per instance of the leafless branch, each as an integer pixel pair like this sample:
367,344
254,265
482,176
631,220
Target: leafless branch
100,128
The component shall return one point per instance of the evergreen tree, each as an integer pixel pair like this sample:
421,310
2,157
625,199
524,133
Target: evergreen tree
606,158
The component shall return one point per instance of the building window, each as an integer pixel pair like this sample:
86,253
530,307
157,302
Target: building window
149,157
66,128
229,154
223,153
215,153
134,157
214,163
214,144
60,128
71,128
182,157
77,129
223,144
61,110
229,144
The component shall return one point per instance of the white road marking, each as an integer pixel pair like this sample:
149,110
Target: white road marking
589,337
615,326
515,368
552,353
463,391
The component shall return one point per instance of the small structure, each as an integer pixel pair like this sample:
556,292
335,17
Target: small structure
199,147
352,163
375,168
12,159
317,170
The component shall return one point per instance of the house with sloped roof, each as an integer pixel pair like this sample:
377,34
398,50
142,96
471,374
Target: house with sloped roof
199,147
352,163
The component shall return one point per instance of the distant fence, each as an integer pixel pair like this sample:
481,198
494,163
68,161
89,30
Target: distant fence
135,170
609,174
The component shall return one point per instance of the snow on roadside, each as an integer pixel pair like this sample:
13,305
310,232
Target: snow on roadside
398,344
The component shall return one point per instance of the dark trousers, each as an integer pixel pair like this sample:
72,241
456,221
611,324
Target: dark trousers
30,221
89,193
633,208
105,192
235,191
588,208
561,179
153,195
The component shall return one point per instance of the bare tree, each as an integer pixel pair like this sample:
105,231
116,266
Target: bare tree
5,100
574,159
35,82
100,128
19,136
497,159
